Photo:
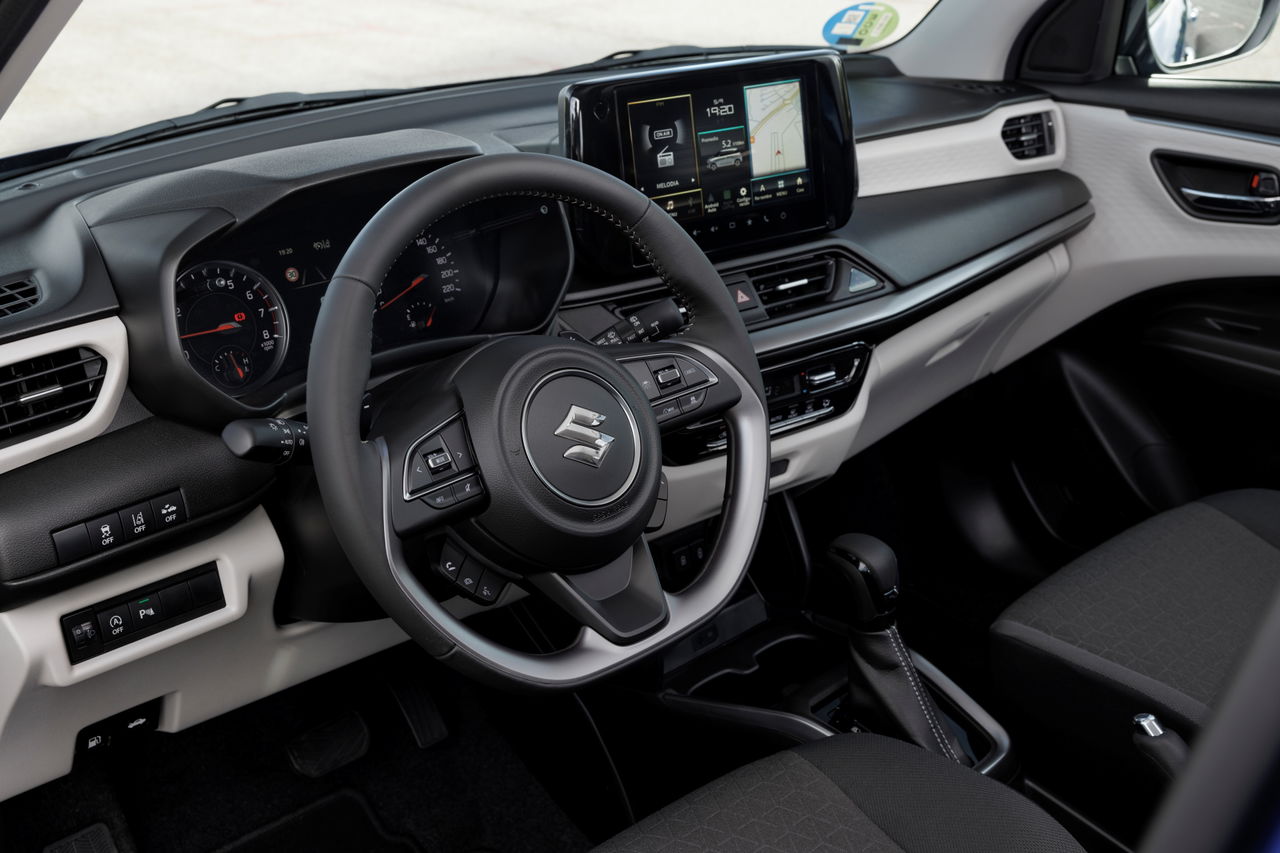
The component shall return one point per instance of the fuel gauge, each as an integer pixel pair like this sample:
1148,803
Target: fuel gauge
420,314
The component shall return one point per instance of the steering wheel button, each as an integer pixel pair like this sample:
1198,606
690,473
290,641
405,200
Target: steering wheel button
440,498
469,576
489,587
666,411
693,400
419,476
451,561
437,460
455,439
667,376
693,373
467,488
644,378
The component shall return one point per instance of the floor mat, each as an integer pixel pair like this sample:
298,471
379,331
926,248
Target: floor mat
341,821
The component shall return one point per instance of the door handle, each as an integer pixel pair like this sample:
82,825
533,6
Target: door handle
1231,203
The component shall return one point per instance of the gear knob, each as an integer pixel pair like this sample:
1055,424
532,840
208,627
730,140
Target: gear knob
870,568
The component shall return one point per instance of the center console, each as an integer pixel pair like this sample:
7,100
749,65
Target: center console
740,153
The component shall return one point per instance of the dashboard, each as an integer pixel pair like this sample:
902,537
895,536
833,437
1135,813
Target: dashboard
246,300
195,268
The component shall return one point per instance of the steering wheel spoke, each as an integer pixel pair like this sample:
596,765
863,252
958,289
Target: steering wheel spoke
434,478
622,601
681,385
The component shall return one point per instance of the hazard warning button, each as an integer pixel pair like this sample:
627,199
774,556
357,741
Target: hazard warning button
745,297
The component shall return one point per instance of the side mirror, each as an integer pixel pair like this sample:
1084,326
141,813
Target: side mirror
1187,33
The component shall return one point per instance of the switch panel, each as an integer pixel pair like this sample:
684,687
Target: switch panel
145,611
112,529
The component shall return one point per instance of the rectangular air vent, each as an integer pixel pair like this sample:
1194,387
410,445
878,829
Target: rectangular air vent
1029,136
18,296
792,285
48,391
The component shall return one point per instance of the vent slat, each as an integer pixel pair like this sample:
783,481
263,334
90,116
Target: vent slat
1028,136
792,285
48,391
71,386
18,296
31,377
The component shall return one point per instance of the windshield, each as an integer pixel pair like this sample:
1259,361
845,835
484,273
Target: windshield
119,64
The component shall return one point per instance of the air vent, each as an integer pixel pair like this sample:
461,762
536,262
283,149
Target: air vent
18,296
792,285
1029,136
48,391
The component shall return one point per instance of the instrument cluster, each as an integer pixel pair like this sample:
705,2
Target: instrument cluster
246,302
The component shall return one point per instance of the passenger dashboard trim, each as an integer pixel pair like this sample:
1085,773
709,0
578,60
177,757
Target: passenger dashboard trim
952,283
955,154
109,339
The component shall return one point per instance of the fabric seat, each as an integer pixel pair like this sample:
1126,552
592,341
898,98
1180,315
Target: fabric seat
1154,620
846,794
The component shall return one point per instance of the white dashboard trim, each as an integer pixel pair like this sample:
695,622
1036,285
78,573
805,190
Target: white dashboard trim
1140,238
955,154
910,372
202,668
108,338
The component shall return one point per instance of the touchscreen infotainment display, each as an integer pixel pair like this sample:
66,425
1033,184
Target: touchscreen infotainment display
728,148
736,152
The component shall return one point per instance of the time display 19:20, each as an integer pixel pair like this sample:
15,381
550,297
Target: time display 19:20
722,149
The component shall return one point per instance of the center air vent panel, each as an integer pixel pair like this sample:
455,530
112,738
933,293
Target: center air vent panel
48,391
18,295
789,284
1029,135
805,284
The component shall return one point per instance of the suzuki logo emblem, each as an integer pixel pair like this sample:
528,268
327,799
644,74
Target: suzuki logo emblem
590,444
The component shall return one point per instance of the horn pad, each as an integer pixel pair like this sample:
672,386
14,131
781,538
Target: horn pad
570,451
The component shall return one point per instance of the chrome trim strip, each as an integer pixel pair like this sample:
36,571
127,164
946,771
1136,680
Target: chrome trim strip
40,395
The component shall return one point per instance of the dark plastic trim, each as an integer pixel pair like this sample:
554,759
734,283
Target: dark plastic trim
1052,24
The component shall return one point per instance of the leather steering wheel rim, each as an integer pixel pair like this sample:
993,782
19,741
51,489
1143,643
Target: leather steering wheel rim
355,475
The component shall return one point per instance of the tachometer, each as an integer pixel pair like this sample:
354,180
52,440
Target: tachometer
231,324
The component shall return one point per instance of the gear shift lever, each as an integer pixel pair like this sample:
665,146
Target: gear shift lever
871,570
883,681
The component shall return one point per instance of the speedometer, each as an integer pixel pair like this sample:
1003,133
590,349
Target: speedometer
426,295
231,324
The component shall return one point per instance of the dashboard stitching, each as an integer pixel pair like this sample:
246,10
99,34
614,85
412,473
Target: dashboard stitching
627,230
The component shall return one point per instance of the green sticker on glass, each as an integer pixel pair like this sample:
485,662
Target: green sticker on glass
861,26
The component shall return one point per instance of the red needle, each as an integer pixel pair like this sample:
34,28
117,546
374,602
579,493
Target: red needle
431,317
417,281
225,327
238,370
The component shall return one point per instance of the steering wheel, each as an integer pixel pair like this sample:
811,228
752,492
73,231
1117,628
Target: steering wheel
538,458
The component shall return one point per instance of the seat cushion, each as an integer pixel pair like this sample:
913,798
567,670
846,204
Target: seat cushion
1154,620
848,793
